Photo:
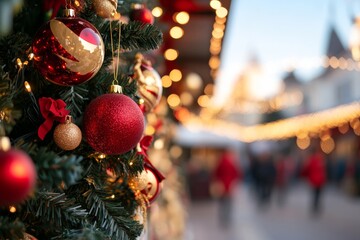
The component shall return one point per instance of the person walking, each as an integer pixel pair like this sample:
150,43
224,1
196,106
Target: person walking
225,178
315,172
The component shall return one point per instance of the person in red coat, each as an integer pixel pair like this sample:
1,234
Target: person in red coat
225,178
315,172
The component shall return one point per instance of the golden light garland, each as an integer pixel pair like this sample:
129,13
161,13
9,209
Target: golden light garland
217,34
284,100
303,126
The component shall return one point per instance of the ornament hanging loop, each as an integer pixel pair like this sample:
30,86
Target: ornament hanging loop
114,88
68,11
68,119
4,144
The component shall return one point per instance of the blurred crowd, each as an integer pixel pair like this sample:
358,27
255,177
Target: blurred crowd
270,170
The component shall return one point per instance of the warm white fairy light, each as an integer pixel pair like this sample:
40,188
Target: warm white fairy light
217,36
309,124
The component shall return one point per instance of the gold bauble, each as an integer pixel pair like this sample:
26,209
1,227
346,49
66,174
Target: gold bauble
67,136
105,8
138,182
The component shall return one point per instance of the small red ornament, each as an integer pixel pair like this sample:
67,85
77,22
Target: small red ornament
113,124
68,50
142,14
17,175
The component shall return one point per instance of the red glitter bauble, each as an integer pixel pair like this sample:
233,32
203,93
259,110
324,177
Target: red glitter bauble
113,124
17,177
143,15
68,51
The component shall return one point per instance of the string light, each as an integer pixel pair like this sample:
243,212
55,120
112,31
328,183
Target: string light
27,86
175,75
204,101
166,81
181,17
171,54
173,100
303,142
217,36
149,130
221,12
12,209
215,4
309,124
157,12
281,101
176,32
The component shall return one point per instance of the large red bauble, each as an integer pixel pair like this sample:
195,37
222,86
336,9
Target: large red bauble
68,51
17,177
113,124
143,15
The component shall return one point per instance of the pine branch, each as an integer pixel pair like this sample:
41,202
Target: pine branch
111,215
54,170
8,114
86,233
12,47
55,210
128,164
134,35
75,97
10,229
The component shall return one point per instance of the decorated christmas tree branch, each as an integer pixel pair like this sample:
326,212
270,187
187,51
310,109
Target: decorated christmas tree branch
130,164
56,210
86,233
54,170
11,229
75,98
7,112
116,221
136,35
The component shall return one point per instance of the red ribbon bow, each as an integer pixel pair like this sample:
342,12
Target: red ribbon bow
52,110
144,145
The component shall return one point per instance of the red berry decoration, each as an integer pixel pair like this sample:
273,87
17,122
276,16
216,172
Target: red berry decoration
17,176
68,50
113,124
142,14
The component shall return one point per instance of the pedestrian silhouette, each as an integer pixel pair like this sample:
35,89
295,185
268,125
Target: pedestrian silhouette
224,180
315,171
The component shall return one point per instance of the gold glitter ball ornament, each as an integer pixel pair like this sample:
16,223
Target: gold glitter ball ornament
105,8
67,136
138,182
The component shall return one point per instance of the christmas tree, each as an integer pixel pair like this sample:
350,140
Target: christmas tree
77,161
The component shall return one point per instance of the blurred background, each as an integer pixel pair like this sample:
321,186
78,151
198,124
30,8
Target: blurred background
259,129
